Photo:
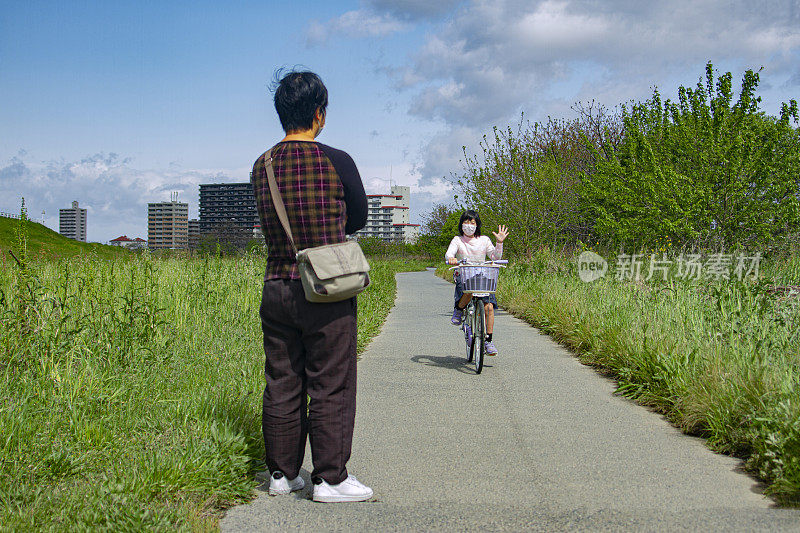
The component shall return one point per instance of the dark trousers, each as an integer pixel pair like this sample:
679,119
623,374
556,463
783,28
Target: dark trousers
310,349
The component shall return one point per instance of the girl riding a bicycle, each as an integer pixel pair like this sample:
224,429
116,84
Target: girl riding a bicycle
471,245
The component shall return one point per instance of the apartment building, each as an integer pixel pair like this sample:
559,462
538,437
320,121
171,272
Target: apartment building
168,225
388,216
226,205
194,233
72,222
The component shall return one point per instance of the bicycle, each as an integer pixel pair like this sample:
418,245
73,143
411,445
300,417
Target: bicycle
480,280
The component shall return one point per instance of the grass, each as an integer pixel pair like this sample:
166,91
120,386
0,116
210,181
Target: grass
44,243
130,388
720,359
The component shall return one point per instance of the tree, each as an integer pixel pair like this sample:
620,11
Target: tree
225,238
529,178
439,225
703,170
434,220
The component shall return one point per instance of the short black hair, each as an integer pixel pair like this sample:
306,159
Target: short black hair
297,98
469,214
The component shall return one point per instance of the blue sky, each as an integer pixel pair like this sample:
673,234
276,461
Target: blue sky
115,104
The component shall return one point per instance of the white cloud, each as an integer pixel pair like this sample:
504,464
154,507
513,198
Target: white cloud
415,9
114,192
443,155
550,26
354,24
425,196
491,59
483,62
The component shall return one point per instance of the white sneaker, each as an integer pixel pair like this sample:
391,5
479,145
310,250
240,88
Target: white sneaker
280,484
349,490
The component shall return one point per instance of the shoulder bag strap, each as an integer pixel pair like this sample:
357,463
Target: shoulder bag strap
277,201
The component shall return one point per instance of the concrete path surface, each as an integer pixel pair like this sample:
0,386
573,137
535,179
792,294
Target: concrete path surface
537,441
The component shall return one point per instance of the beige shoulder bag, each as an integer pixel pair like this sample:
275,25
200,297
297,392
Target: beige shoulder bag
329,273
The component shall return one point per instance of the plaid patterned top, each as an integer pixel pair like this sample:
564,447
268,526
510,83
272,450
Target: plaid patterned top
323,195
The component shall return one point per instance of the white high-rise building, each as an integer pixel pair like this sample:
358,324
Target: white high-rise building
72,222
168,225
388,216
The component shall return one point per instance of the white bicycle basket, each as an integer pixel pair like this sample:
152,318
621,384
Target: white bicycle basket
479,278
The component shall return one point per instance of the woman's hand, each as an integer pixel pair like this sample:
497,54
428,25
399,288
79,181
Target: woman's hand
502,233
452,261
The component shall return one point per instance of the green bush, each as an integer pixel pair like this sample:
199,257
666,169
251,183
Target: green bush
529,178
704,171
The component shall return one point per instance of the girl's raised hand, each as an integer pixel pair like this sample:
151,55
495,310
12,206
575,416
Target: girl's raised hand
502,233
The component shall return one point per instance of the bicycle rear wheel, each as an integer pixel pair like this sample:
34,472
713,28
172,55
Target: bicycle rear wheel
479,334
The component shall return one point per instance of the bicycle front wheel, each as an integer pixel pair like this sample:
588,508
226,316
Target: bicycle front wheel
466,328
469,331
479,335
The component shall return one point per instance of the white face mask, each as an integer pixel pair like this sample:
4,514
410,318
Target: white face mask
468,229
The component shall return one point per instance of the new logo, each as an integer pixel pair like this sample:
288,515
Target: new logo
591,266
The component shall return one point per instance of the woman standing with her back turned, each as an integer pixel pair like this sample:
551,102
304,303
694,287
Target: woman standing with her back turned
310,348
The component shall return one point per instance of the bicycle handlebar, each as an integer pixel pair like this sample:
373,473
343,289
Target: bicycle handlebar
466,262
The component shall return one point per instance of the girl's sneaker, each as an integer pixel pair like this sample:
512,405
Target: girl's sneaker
458,316
490,349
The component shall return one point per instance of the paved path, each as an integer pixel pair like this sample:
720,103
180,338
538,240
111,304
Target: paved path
536,442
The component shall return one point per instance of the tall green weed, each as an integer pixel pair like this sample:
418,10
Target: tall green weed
130,388
718,358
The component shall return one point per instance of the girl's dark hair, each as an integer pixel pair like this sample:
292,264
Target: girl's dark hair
297,97
469,214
